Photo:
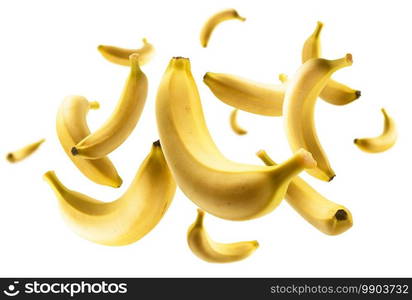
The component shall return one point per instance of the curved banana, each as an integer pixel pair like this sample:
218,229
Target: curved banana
216,19
130,217
24,152
299,109
334,92
120,56
382,142
205,248
234,125
325,215
71,127
221,187
123,119
245,94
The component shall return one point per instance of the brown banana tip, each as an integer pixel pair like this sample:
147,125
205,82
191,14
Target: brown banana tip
358,94
74,151
331,178
180,57
10,157
349,57
341,215
157,143
355,141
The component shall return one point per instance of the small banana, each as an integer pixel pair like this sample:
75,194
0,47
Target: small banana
120,56
221,187
299,109
71,127
130,217
245,94
123,119
24,152
213,21
334,92
325,215
382,142
205,248
234,125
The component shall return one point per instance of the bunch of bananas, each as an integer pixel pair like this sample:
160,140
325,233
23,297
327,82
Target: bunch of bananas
186,155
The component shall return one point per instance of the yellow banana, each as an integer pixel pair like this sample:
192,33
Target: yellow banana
213,21
382,142
299,109
323,214
123,119
205,248
126,219
234,125
120,56
24,152
334,92
71,127
221,187
247,95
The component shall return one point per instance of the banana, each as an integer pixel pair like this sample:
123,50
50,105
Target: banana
24,152
325,215
382,142
120,56
234,125
71,127
221,187
126,219
123,119
245,94
213,21
299,109
334,92
205,248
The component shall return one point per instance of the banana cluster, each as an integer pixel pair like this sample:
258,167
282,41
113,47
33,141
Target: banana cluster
187,157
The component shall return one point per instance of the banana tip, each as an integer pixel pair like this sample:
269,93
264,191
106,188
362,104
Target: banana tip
341,215
10,157
355,141
349,58
331,177
358,94
74,151
156,143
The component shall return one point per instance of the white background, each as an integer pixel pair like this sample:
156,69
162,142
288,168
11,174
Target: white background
48,51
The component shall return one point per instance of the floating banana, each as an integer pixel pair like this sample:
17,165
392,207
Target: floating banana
334,92
234,125
130,217
245,94
123,119
221,187
205,248
24,152
299,109
71,127
323,214
216,19
382,142
120,56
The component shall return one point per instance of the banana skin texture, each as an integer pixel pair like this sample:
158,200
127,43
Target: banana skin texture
216,19
24,152
325,215
382,142
208,250
334,92
130,217
299,110
123,119
221,187
71,127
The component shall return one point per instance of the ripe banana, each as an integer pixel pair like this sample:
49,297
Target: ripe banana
247,95
120,56
205,248
221,187
71,127
382,142
213,21
299,109
24,152
334,92
130,217
123,119
234,125
323,214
